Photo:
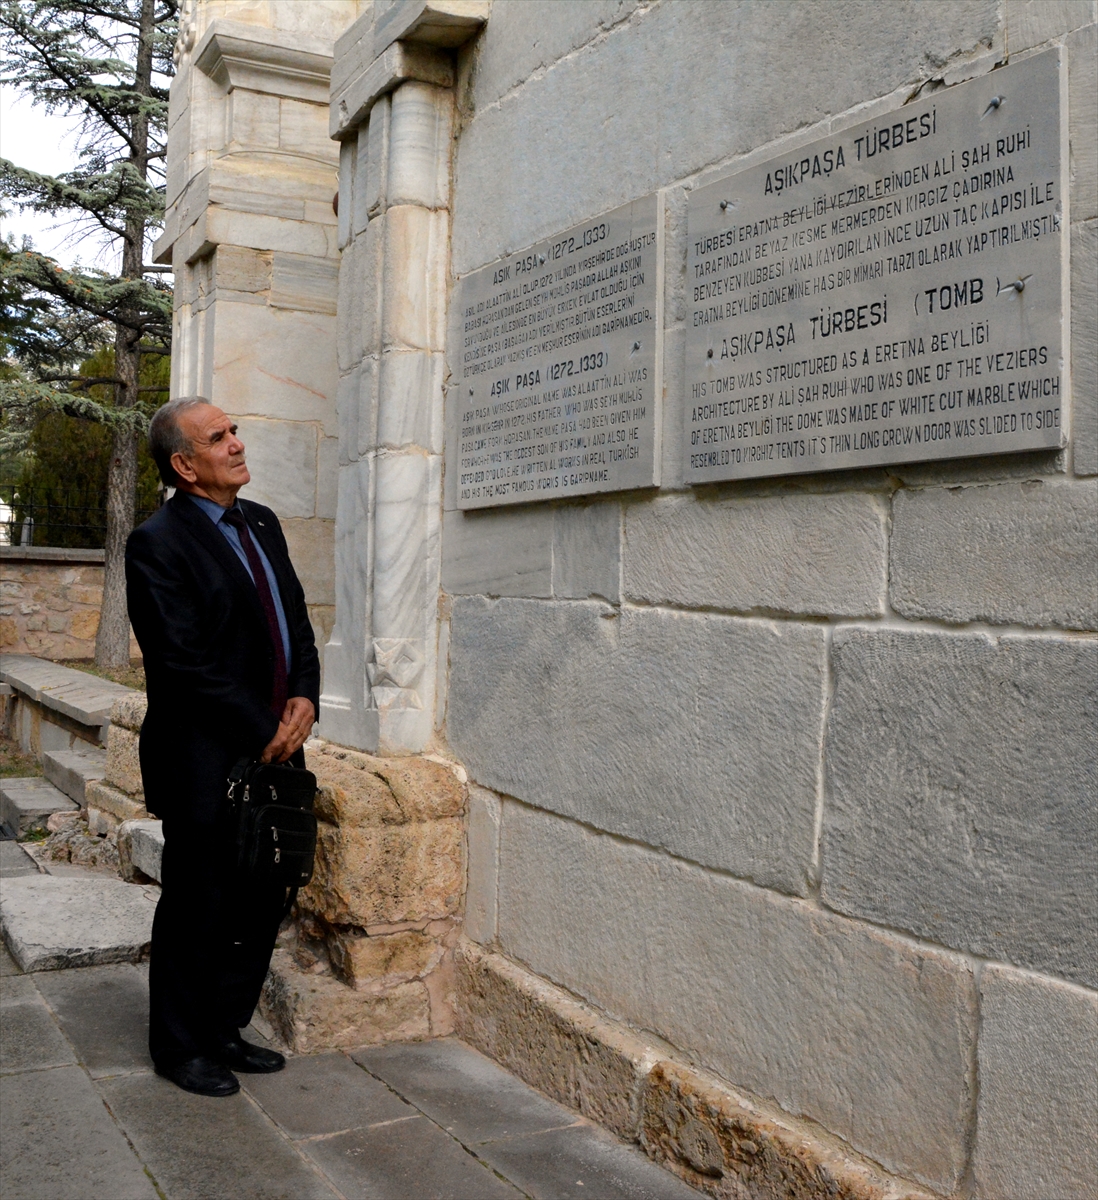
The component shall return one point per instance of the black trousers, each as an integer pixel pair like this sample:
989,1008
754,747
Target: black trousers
212,941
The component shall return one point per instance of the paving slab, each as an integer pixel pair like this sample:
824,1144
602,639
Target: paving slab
466,1093
8,965
15,861
55,921
70,771
104,1012
30,1039
17,989
197,1147
405,1159
582,1161
59,1142
324,1094
27,804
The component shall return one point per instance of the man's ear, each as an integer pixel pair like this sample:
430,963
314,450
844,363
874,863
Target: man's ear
182,468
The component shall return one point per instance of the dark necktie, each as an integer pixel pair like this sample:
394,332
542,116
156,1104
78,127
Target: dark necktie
235,518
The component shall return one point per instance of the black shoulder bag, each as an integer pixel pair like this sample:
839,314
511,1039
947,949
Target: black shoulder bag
275,826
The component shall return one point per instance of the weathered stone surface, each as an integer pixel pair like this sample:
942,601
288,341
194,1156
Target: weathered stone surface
506,552
140,846
1082,58
70,771
866,1032
370,962
50,921
27,804
722,714
723,1144
123,769
83,698
959,795
361,789
819,554
129,711
106,799
1084,346
1030,23
1038,1105
317,1012
282,458
1024,553
378,874
587,551
481,909
549,1039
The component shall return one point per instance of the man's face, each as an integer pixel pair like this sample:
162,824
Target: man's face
216,466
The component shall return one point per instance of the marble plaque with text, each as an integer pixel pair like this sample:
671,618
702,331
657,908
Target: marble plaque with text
891,293
555,366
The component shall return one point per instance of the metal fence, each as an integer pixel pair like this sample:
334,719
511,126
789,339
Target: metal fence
70,517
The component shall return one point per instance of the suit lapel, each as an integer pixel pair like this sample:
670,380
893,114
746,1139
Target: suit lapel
206,532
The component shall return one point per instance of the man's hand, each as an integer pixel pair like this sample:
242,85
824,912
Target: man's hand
296,725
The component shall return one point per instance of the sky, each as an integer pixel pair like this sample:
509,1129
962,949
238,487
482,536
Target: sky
31,137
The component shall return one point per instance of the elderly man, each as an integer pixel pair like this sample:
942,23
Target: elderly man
232,672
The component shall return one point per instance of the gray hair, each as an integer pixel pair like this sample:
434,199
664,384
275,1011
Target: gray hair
166,438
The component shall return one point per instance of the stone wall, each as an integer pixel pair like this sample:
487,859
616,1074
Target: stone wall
50,600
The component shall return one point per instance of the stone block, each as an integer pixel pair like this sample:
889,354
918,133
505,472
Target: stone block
370,962
415,277
316,1012
1009,553
27,804
282,459
1038,1102
129,711
123,766
239,269
552,1041
500,552
141,846
817,554
253,120
327,477
51,922
587,551
419,154
312,550
724,1144
959,802
386,874
70,771
1030,23
345,230
361,789
304,283
1084,346
303,129
529,718
1082,59
410,405
481,910
867,1033
103,798
376,195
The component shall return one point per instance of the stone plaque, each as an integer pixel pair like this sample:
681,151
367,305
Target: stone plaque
557,372
892,293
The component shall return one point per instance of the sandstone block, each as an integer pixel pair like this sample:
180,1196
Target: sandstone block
380,960
1024,553
959,796
865,1032
129,711
1038,1105
725,1145
483,882
123,770
317,1012
587,551
820,554
505,552
530,720
84,624
1084,346
386,874
549,1039
106,799
359,788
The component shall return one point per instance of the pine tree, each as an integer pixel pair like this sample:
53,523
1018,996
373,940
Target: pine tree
105,61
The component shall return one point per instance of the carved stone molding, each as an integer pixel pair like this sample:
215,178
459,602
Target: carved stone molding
265,60
396,672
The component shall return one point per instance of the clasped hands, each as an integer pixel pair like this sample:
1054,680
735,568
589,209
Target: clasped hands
294,727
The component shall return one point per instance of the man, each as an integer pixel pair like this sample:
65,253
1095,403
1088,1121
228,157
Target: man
232,672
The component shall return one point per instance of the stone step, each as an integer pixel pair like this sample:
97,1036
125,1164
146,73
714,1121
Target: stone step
54,921
73,770
26,804
141,845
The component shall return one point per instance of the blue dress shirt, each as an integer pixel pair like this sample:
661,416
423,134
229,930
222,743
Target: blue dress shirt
215,512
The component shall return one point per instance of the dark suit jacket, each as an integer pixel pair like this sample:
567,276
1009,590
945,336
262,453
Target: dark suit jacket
209,660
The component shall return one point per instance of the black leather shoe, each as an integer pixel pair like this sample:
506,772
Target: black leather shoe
240,1055
203,1076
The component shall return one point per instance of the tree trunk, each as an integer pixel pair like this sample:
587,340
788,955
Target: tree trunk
112,640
